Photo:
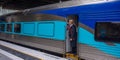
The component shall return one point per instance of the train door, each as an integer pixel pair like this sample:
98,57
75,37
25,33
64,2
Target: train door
71,40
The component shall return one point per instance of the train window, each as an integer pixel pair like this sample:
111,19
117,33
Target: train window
9,28
17,28
107,31
2,27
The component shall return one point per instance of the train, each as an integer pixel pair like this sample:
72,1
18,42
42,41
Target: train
44,27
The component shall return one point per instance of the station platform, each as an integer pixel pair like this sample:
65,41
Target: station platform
4,55
9,51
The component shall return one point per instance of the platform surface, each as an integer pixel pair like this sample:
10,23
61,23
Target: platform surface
8,56
31,52
3,57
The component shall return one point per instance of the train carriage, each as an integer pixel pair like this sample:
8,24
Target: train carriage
98,26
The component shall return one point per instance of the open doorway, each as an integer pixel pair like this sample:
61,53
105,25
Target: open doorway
72,33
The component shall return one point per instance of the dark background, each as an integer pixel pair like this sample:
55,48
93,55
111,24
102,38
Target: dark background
25,4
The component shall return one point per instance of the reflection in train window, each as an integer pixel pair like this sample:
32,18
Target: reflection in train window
2,27
107,31
17,28
9,27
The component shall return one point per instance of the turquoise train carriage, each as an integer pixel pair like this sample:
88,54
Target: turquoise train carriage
98,28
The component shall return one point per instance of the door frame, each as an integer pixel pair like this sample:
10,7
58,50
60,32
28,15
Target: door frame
76,17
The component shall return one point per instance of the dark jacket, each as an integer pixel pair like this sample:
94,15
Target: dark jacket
73,35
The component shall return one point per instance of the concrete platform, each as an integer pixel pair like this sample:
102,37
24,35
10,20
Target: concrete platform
31,52
8,56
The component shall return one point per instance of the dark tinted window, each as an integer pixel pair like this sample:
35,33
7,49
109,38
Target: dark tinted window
9,27
17,28
107,31
2,27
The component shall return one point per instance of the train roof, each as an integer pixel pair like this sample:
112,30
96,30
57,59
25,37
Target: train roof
58,6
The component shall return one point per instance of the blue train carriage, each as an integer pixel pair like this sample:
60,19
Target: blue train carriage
98,28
